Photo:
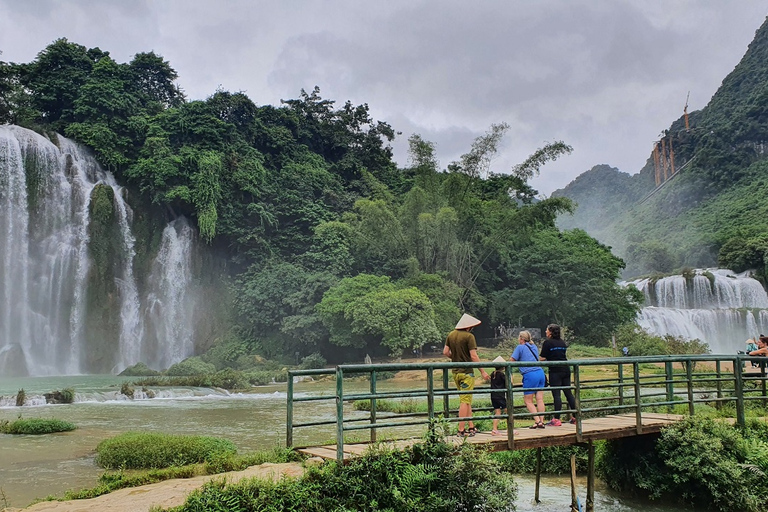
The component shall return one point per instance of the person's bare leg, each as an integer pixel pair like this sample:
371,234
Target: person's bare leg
528,399
540,404
496,414
464,410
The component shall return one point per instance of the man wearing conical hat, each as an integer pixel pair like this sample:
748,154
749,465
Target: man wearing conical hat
461,347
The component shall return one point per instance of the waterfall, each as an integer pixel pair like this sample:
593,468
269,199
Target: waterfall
53,320
717,306
170,308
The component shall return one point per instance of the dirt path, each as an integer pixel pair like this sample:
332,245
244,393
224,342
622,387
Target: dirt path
170,493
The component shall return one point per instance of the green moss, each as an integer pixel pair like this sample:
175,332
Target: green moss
105,246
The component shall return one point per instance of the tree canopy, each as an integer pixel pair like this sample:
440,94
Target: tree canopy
329,246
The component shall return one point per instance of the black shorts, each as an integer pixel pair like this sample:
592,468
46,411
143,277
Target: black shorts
498,400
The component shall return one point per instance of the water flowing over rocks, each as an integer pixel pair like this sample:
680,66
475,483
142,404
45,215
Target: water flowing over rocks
70,298
717,306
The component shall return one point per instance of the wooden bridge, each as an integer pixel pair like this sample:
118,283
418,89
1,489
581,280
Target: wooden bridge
615,398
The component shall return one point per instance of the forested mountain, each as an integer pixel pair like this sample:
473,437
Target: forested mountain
713,210
324,244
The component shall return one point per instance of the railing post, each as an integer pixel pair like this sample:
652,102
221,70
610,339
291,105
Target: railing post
762,376
740,416
339,414
577,396
638,408
373,406
689,378
719,403
621,384
670,376
510,409
446,398
289,413
431,396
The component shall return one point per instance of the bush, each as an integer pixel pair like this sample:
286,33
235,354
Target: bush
36,427
191,366
139,370
21,397
313,361
136,450
641,343
426,477
698,462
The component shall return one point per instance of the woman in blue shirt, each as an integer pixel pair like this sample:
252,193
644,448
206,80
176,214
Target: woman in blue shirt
533,376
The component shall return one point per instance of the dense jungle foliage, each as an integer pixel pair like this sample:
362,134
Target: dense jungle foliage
699,462
714,211
329,246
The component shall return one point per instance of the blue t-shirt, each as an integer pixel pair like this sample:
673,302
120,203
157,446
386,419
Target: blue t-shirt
523,353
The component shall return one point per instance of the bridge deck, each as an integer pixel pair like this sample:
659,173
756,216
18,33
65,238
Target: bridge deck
606,427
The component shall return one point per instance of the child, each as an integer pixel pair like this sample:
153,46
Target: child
498,398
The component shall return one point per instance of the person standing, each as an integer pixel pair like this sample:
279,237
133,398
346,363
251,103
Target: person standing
554,349
533,377
461,347
498,398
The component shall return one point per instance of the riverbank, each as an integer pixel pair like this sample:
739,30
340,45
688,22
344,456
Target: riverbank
170,493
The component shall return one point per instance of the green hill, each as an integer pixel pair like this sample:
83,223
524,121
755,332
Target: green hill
713,210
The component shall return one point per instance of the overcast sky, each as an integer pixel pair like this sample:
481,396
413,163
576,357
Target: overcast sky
606,76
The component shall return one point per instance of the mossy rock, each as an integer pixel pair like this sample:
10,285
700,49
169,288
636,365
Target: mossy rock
139,370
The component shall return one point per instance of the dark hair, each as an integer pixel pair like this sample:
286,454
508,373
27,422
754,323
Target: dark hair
554,331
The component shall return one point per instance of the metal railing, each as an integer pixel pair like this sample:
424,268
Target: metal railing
632,384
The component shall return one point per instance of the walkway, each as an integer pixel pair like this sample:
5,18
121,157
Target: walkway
614,426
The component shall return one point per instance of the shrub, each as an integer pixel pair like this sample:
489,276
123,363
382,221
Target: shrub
313,361
698,462
426,477
139,370
21,397
136,450
191,366
36,426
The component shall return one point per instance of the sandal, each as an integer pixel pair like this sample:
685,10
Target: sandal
535,425
540,425
472,430
462,433
495,433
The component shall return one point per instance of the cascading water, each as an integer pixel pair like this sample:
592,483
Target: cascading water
170,307
717,306
69,300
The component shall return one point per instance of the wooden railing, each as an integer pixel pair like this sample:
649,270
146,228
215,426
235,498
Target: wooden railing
631,384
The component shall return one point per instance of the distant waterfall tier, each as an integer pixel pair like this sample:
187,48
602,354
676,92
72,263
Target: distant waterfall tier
72,299
717,306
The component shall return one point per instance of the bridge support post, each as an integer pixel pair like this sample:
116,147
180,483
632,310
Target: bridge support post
538,475
591,477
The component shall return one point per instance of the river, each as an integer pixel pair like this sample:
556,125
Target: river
33,467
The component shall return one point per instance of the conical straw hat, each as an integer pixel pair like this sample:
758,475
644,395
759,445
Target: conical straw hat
467,321
499,359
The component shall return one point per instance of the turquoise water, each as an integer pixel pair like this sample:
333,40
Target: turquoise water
33,467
